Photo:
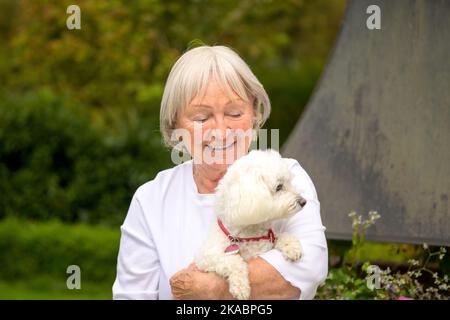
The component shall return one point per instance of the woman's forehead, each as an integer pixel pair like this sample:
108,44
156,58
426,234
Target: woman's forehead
204,104
216,92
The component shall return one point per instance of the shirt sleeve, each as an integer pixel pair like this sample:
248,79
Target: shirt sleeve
138,266
312,268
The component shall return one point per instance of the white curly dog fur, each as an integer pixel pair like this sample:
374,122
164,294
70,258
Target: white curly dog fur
255,190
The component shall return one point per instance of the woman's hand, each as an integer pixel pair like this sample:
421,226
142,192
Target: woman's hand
266,282
193,284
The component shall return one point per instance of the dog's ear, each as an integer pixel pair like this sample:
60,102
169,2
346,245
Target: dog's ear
250,194
228,195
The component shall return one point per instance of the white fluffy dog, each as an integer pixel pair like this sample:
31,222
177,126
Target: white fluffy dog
255,190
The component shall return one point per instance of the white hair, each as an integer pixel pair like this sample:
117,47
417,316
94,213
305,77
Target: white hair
190,75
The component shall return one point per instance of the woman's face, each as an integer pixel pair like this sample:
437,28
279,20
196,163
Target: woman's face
219,126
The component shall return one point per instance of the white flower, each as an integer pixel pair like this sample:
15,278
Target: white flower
373,215
413,262
444,287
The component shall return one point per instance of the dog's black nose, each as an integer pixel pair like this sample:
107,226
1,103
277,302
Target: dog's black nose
301,202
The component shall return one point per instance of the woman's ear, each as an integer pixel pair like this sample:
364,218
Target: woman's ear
256,114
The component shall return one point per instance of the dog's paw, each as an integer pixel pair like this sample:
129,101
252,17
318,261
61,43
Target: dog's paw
289,246
239,287
292,251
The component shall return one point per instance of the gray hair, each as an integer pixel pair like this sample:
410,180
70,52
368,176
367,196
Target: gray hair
189,77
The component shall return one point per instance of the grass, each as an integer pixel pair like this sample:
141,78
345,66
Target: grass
46,288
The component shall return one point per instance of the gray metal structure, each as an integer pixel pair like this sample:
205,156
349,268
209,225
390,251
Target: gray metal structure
376,133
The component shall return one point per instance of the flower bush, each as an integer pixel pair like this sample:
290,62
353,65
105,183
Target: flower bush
357,280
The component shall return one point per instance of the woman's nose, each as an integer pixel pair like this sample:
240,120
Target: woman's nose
221,131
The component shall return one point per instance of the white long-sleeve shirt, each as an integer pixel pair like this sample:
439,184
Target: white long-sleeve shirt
168,221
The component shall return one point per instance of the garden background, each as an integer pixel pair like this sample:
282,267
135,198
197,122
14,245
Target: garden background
79,122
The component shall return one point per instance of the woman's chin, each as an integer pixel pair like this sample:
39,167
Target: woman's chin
221,160
219,166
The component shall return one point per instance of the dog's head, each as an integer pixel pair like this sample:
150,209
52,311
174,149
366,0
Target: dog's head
257,188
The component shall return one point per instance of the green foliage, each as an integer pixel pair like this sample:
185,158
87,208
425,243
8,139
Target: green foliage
359,234
52,288
79,109
350,280
410,284
121,57
33,250
56,164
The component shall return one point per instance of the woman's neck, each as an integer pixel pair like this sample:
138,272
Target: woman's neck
206,177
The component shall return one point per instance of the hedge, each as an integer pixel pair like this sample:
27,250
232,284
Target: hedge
29,250
55,162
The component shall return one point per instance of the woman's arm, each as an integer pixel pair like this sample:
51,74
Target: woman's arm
138,265
271,276
266,283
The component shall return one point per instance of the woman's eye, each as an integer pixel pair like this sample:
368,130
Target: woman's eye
200,119
235,115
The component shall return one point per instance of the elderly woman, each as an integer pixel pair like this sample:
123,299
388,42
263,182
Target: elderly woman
212,90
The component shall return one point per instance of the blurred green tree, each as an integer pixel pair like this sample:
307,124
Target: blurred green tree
121,57
56,164
79,109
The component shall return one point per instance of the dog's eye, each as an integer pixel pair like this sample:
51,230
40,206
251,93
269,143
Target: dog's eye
279,187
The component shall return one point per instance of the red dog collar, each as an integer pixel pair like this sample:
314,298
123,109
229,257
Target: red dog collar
233,248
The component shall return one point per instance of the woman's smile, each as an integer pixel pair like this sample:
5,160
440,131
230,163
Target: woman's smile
221,147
